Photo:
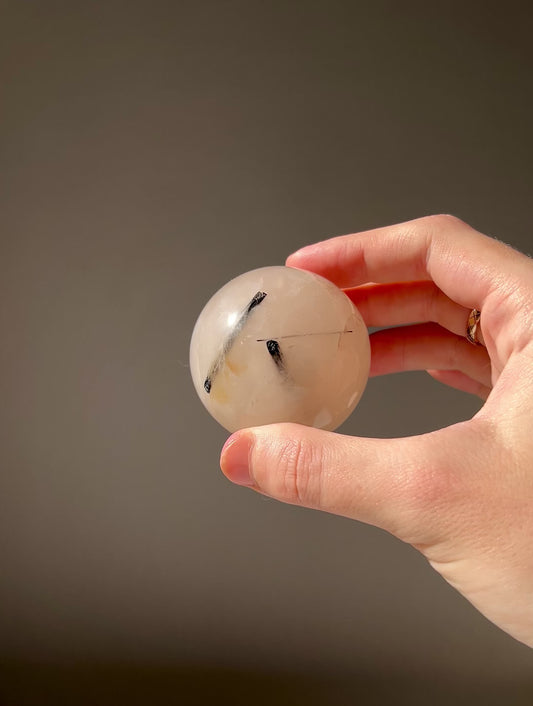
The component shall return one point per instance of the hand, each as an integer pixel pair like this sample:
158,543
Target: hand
462,495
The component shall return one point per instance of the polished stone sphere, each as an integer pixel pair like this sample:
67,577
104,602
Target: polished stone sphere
279,344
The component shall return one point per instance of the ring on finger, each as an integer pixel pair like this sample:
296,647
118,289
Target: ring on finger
472,326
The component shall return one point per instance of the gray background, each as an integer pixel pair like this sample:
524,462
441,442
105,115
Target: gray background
149,153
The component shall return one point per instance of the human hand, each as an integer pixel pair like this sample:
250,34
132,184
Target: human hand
462,495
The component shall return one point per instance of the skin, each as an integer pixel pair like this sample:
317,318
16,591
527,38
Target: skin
462,495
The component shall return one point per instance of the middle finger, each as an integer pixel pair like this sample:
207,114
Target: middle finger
403,303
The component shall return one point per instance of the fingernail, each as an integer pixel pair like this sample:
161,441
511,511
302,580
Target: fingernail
235,459
303,252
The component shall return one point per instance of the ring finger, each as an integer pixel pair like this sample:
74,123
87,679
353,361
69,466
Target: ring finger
428,347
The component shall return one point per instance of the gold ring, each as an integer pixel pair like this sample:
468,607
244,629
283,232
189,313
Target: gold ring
471,327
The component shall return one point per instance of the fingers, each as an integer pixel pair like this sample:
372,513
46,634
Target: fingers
420,348
409,486
427,346
464,264
409,302
460,381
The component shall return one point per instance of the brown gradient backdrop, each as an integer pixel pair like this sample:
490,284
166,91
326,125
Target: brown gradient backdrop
150,152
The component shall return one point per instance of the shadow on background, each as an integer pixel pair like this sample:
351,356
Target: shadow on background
132,684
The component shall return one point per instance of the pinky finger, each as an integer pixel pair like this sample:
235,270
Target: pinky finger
461,381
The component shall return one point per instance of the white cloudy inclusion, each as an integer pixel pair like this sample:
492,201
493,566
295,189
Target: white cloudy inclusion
279,344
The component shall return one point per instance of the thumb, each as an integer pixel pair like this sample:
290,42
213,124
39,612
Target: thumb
410,486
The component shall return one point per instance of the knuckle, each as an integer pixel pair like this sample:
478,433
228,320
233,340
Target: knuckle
298,472
429,497
428,488
445,221
429,483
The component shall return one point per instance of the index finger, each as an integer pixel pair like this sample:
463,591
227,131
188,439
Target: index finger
464,264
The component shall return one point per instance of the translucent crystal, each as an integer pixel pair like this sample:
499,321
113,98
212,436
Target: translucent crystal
279,344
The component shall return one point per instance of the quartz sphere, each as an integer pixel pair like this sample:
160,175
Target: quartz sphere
279,344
